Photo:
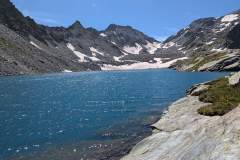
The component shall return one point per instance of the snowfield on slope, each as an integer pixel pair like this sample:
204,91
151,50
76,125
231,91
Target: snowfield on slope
77,53
82,56
133,50
142,65
230,18
152,47
35,45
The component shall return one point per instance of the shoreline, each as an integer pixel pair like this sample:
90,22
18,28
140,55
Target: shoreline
96,71
183,134
107,68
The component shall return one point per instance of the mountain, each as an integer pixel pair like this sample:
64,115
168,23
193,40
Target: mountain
212,44
27,47
127,37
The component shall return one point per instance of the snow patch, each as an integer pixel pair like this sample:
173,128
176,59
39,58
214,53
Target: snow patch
67,71
142,65
103,35
168,45
80,55
158,60
223,27
230,18
117,58
113,43
35,45
94,51
186,28
179,49
209,43
152,47
133,50
94,58
218,50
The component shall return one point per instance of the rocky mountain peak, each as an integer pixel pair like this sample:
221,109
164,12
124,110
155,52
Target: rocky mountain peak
236,12
126,36
76,25
203,23
114,27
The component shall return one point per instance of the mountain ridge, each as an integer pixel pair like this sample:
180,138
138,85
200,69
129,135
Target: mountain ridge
212,44
86,46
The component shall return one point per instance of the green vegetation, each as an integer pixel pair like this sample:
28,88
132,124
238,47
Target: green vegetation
206,59
222,96
198,60
3,42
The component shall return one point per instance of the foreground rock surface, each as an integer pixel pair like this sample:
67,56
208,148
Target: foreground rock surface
234,79
183,134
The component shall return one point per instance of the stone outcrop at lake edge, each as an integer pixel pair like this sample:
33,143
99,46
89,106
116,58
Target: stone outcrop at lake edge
183,134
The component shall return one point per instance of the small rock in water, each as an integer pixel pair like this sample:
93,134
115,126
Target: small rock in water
61,131
36,145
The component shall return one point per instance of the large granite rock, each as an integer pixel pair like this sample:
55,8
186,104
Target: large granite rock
234,79
196,90
183,134
228,63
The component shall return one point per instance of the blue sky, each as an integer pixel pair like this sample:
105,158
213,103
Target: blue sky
156,18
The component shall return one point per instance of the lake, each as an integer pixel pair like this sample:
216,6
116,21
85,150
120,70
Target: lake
85,115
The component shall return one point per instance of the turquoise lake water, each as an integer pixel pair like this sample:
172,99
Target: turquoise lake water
44,111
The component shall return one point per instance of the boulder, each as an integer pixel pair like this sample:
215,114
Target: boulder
197,89
234,79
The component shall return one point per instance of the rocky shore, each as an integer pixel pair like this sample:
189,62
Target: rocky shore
184,134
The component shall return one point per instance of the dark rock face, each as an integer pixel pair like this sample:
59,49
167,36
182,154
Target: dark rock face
13,19
18,56
126,35
233,38
227,64
206,34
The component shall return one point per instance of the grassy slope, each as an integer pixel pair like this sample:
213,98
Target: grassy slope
223,97
198,61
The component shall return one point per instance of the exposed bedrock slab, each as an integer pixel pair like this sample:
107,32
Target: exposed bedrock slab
183,134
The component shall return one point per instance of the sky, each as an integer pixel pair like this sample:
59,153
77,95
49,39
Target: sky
156,18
